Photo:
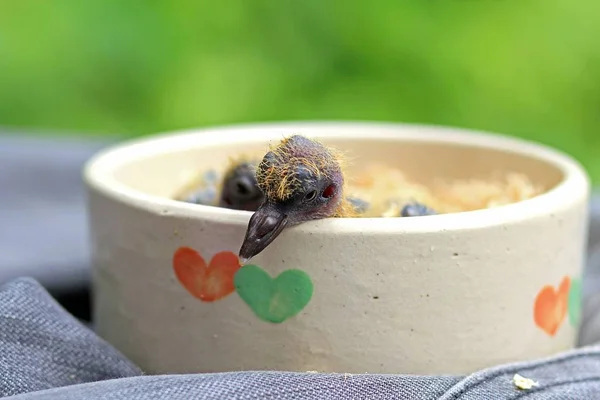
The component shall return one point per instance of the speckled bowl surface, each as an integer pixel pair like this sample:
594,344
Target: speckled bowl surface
444,294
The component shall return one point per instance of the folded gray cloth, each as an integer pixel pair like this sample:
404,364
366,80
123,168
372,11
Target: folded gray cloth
42,209
42,346
46,354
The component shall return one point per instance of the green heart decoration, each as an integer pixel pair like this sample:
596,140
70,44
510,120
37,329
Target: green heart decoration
575,302
273,300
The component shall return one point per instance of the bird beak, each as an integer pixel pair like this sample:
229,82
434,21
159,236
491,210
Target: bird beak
265,225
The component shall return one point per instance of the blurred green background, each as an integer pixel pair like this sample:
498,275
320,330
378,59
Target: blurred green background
133,67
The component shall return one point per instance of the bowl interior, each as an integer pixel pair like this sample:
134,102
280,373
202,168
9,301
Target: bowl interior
164,172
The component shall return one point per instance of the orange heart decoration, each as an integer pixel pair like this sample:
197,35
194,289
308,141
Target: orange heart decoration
551,306
207,283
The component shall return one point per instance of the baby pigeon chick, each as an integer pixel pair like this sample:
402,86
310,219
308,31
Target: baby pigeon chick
360,205
205,189
302,180
239,189
415,209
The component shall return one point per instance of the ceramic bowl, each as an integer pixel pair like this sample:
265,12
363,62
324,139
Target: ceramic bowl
443,294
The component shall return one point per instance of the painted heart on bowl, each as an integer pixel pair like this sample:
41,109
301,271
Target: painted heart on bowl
273,299
575,302
206,282
551,306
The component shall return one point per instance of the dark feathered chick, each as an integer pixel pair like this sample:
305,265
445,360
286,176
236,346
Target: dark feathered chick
415,209
301,180
360,205
204,189
239,188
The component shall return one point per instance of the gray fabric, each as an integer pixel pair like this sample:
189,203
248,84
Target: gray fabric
42,209
43,347
45,353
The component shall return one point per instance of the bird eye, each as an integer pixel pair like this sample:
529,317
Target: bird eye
329,191
310,195
242,187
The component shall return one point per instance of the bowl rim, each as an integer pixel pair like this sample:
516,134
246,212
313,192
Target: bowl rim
575,185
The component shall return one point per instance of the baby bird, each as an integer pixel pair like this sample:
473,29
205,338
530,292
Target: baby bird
301,180
205,189
239,189
360,205
415,209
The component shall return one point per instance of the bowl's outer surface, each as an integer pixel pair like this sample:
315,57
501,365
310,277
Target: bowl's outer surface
433,295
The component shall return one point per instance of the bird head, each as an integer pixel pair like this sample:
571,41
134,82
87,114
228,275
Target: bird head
239,189
301,180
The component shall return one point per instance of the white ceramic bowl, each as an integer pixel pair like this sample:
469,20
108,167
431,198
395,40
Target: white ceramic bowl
449,293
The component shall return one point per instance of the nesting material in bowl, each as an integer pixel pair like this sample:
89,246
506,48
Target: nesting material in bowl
387,189
443,294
